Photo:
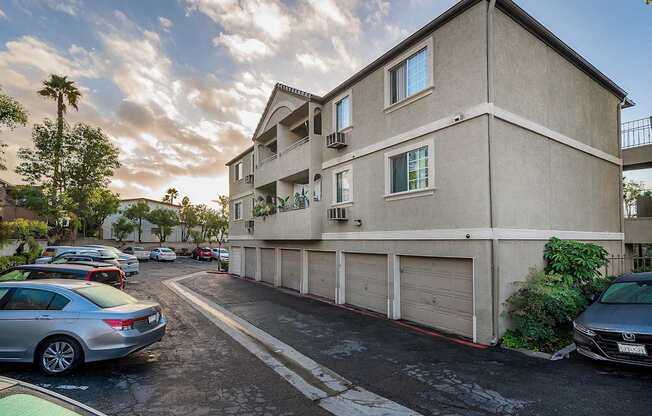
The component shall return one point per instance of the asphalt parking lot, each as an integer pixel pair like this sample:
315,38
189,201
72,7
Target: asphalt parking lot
199,370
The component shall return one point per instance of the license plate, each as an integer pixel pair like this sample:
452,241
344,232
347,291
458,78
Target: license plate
636,349
153,318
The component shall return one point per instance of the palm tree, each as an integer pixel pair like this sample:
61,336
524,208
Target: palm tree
170,195
61,90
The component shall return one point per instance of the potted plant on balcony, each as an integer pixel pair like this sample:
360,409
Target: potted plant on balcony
300,200
263,208
283,203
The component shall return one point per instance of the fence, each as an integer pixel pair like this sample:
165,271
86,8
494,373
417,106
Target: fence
625,264
636,133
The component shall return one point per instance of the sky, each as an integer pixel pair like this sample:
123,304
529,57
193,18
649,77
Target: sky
179,85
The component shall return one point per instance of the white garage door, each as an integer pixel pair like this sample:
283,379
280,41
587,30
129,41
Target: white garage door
234,261
268,264
290,269
250,262
438,292
321,274
366,281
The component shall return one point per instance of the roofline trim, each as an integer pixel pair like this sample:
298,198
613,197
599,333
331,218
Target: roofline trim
240,155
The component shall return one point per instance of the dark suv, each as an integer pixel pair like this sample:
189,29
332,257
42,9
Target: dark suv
96,272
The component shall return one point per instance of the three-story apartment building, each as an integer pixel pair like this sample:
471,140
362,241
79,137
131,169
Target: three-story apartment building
426,184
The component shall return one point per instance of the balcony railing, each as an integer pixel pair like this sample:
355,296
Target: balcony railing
267,159
636,133
296,144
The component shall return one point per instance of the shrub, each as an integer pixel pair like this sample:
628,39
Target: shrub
11,261
581,261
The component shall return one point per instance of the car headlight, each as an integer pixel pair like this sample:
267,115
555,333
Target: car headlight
584,330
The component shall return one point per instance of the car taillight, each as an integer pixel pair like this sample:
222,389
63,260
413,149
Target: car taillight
123,277
122,324
89,276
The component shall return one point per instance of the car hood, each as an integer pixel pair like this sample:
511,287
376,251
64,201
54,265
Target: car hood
618,318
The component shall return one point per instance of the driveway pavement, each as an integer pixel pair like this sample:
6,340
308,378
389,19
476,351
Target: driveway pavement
195,370
427,374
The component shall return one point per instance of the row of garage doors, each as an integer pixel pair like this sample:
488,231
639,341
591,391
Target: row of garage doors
434,291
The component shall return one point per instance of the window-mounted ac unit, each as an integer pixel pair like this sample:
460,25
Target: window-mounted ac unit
337,214
336,140
249,178
249,224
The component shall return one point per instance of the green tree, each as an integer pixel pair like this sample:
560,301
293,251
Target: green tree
12,115
136,213
61,90
122,228
170,195
188,218
101,203
164,220
197,237
631,192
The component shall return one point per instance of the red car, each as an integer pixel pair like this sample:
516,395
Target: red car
202,253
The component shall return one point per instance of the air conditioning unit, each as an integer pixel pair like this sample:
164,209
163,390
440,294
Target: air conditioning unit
336,140
337,214
249,178
249,224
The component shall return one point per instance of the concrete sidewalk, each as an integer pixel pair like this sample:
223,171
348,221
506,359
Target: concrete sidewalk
428,374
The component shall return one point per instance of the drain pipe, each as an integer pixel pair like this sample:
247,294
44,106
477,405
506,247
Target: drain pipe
495,270
621,208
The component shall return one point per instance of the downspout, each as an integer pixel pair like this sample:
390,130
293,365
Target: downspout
621,201
495,279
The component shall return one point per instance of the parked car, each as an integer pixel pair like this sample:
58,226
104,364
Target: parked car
51,252
141,253
202,253
220,253
618,326
89,271
59,324
162,254
128,262
97,256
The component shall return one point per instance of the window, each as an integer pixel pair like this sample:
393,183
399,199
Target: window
30,300
343,113
342,186
410,169
409,77
238,171
105,296
237,210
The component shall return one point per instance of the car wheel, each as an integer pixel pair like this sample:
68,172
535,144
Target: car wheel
59,355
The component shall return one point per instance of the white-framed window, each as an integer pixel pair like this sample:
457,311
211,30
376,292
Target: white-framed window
410,169
343,185
237,210
238,171
409,75
342,106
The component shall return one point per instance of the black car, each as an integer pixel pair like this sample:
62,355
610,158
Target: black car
618,326
96,272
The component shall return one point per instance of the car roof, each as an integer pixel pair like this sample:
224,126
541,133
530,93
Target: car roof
635,277
57,267
45,283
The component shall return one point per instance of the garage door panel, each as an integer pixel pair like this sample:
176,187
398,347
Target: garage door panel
438,292
321,274
366,281
250,262
268,264
234,260
290,269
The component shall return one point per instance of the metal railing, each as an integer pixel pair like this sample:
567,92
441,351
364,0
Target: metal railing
636,133
267,159
296,144
625,264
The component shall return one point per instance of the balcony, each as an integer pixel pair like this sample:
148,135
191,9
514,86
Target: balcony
284,225
287,162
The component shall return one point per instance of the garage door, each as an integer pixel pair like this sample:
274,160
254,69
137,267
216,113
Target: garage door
321,274
290,269
268,264
366,281
438,292
234,261
250,262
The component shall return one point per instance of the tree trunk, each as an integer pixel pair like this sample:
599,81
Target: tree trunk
56,180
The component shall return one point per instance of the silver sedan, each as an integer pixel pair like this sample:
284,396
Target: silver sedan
60,324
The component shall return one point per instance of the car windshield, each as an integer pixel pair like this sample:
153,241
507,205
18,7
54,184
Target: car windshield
14,275
106,296
165,250
629,293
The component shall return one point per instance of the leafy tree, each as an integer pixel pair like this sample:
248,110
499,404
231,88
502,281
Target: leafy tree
188,216
12,115
164,220
61,90
170,195
100,204
136,213
122,228
631,192
197,237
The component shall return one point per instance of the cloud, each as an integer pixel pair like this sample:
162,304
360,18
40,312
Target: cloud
3,15
165,23
309,61
379,10
243,50
70,7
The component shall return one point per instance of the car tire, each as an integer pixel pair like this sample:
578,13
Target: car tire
66,355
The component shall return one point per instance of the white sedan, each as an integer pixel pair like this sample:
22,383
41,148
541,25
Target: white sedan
162,254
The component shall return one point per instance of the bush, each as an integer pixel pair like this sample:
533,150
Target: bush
581,261
11,261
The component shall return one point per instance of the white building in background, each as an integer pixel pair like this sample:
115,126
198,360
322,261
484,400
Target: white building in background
148,235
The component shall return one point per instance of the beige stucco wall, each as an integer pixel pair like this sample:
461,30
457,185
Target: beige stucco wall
240,186
534,81
539,183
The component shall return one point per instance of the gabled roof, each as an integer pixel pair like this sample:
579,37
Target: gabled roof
240,155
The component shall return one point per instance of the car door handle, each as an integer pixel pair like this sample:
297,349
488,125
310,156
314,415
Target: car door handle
44,318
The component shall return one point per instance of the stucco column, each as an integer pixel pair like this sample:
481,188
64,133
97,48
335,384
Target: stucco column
304,272
340,283
394,286
277,272
259,265
243,263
